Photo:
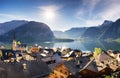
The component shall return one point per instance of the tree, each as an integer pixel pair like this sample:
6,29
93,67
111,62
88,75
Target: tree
97,51
0,53
19,42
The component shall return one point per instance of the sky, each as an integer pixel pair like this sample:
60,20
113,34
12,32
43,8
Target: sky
61,14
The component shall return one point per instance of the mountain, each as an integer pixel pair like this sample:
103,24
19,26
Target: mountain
108,30
30,32
76,32
7,26
98,31
91,33
106,23
60,34
113,32
36,32
71,33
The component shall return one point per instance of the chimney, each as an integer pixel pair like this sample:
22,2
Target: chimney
24,66
78,64
75,59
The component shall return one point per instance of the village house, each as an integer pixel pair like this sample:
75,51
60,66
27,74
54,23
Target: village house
7,54
71,55
101,65
88,70
24,69
92,67
68,68
17,45
35,49
114,54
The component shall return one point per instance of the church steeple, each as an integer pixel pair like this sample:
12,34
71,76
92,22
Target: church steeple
14,43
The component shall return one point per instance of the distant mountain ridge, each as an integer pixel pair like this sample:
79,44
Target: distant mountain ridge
7,26
60,34
107,23
29,32
107,30
71,33
113,32
76,32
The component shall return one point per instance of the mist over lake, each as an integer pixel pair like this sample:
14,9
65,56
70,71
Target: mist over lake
86,45
82,45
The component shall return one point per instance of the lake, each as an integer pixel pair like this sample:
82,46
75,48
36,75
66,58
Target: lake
84,46
89,46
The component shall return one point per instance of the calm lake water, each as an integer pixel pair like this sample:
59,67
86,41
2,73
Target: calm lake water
89,46
84,46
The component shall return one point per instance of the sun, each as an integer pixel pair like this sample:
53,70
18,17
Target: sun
49,14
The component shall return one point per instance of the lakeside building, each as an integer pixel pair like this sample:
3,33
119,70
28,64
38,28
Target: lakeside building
17,45
68,68
47,63
24,69
102,64
18,63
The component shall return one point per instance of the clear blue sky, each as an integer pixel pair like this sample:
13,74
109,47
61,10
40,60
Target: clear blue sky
61,14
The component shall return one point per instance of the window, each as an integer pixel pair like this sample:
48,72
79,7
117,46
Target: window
102,62
60,70
81,62
66,73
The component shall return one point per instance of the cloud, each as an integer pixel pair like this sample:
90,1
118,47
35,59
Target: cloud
46,11
14,17
87,9
94,12
50,15
50,7
90,5
93,22
111,11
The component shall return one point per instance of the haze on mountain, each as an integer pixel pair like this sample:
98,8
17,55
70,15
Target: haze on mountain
113,32
107,30
7,26
27,32
61,14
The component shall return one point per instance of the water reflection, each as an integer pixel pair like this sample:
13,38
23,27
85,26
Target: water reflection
103,45
84,46
89,46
